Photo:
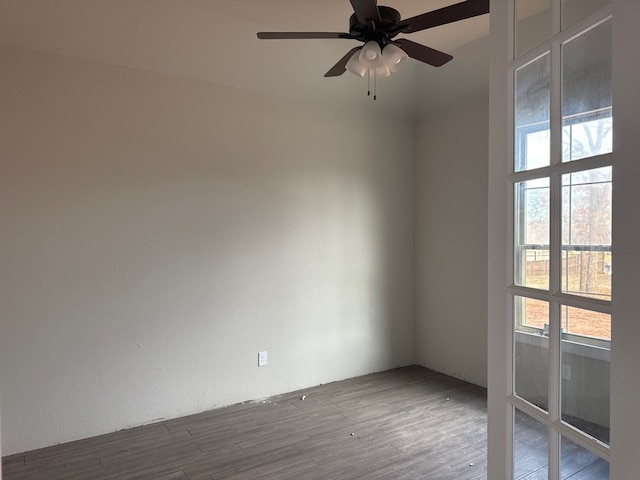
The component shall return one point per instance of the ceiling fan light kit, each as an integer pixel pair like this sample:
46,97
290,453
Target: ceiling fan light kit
394,56
376,27
370,55
382,70
355,66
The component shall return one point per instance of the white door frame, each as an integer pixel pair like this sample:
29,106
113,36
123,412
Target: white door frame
625,360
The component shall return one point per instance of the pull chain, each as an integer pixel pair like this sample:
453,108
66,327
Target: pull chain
375,85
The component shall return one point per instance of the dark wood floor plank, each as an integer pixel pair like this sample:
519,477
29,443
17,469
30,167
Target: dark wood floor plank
406,423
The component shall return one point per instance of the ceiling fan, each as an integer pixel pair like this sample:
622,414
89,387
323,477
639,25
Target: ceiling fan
376,27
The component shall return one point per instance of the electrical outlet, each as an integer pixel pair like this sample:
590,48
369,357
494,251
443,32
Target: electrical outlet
262,359
566,372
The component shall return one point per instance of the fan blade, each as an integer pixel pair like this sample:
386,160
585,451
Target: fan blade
301,35
366,10
422,53
442,16
341,67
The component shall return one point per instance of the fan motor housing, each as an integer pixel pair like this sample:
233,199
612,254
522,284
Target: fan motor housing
380,33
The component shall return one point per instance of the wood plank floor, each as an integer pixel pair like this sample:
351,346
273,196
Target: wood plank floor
407,423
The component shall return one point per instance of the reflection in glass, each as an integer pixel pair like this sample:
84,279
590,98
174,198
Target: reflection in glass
531,350
587,138
586,94
585,351
533,24
577,463
530,448
574,11
586,233
532,97
532,233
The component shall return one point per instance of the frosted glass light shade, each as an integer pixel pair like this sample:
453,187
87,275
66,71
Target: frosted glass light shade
382,70
394,57
354,65
370,55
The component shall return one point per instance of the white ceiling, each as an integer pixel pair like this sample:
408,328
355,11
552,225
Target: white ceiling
214,40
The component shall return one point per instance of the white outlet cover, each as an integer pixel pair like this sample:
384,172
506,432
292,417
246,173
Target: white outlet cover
262,359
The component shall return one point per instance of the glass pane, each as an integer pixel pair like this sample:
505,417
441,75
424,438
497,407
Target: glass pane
530,448
586,94
532,93
585,371
577,463
586,233
573,11
533,24
576,321
532,233
531,350
587,136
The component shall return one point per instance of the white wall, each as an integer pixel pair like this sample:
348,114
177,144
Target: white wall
158,232
451,217
451,231
625,354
